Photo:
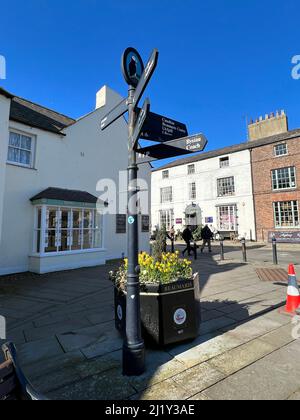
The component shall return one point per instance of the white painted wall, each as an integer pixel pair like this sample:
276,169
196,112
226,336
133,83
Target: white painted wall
207,173
4,117
75,161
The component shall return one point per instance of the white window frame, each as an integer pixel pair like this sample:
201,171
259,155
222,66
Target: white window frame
168,217
275,178
281,154
32,151
232,210
165,174
191,169
228,194
166,195
222,161
43,231
192,191
277,208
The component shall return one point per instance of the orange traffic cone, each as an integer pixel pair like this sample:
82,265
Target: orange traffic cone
293,294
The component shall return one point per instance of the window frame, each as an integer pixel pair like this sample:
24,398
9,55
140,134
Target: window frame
222,160
166,201
191,169
293,210
282,154
41,233
31,165
277,180
166,174
229,194
192,191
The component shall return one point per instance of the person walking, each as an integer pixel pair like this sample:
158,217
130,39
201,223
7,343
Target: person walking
172,239
207,236
187,236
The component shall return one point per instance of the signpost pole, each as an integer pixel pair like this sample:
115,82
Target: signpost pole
134,348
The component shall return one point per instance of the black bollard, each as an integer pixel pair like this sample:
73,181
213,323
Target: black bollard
195,249
275,255
244,249
222,248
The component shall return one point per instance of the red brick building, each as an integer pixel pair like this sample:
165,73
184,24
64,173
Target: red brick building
275,156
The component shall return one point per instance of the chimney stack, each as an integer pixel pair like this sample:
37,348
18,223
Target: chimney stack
271,125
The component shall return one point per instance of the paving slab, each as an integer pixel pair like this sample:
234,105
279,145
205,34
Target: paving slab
207,350
276,377
39,350
110,385
240,357
166,390
198,378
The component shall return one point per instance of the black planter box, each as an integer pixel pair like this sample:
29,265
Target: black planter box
170,313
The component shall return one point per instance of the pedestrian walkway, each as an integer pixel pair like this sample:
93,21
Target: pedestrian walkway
63,325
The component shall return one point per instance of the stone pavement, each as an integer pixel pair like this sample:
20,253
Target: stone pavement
63,326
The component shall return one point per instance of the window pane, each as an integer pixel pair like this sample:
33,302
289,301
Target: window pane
26,143
24,157
65,219
166,195
76,241
50,241
39,218
76,219
87,239
14,139
52,219
64,243
88,219
13,155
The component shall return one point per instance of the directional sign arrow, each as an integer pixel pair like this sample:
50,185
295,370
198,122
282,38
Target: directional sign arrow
174,148
162,129
146,76
114,114
140,122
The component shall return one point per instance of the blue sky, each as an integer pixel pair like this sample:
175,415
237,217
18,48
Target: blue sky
220,61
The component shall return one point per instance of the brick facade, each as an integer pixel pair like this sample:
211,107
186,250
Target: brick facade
263,162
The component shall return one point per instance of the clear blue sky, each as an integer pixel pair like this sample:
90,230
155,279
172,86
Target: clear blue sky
220,61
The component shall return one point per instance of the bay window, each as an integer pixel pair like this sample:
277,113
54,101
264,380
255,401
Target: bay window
61,230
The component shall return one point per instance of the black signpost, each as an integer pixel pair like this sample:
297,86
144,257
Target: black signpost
174,142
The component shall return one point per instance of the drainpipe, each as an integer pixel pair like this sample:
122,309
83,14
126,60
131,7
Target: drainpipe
253,195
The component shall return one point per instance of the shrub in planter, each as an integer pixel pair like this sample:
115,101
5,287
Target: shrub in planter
169,310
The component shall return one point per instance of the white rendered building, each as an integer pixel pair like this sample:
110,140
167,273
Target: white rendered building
51,218
214,188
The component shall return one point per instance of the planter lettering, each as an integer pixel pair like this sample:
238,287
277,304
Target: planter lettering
170,313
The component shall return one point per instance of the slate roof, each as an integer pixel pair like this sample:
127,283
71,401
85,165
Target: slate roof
34,115
65,195
232,149
37,116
